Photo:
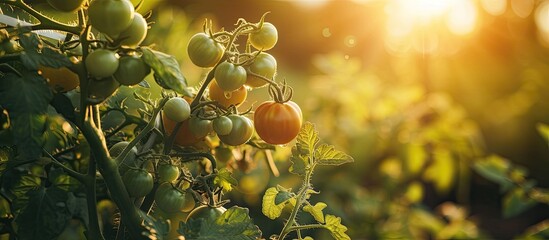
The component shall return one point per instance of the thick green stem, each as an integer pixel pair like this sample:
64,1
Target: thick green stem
109,170
94,231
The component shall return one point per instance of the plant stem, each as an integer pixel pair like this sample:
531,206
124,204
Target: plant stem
94,231
289,226
305,227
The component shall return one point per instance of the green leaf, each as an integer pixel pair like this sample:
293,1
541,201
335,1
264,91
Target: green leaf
269,207
307,139
234,224
46,214
316,211
26,98
299,163
516,202
337,229
167,71
36,54
157,228
225,180
495,169
282,197
328,155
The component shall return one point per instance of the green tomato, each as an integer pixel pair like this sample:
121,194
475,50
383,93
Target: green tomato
138,182
102,63
111,16
265,38
222,125
241,132
134,34
264,65
100,90
66,5
200,127
177,109
117,149
131,70
204,51
230,77
167,173
223,154
172,200
206,212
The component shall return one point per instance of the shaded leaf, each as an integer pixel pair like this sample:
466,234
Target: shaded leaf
167,71
495,169
157,228
26,98
36,54
225,180
516,202
299,162
328,155
282,197
543,129
337,230
46,214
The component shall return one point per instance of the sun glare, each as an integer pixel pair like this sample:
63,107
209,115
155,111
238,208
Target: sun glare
423,22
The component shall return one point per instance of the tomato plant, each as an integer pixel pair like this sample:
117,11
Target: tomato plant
227,99
138,182
200,127
177,109
102,63
131,70
277,122
222,125
167,172
265,38
184,136
204,51
206,212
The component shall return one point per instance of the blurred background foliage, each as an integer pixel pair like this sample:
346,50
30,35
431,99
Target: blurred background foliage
443,104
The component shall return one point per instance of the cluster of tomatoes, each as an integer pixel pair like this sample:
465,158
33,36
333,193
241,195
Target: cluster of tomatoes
124,29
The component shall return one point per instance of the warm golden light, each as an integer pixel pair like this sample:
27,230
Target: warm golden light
494,7
542,22
424,22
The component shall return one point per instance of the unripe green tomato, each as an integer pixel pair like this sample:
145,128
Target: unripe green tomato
170,199
66,5
131,70
167,173
264,65
102,63
117,149
222,125
265,38
177,109
200,127
241,132
138,182
100,90
111,16
206,212
230,77
134,34
204,51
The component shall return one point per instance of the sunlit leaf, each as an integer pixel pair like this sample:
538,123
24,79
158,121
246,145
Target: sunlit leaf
416,157
269,206
337,230
225,180
516,202
495,169
414,193
307,139
36,54
316,211
328,155
167,71
234,224
543,129
442,170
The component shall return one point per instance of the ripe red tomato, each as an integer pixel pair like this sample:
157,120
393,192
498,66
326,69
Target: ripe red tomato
241,131
278,123
227,99
264,65
204,51
265,38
